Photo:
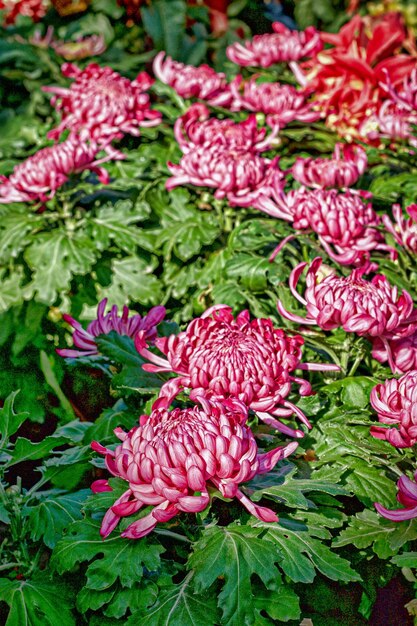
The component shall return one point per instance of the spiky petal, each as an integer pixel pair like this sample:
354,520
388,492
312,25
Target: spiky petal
407,496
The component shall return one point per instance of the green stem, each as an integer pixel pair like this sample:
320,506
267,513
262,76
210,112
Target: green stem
169,533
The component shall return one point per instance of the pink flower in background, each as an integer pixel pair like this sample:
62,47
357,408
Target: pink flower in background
240,176
404,229
40,175
171,459
280,103
193,82
81,48
35,9
388,123
224,357
368,308
101,104
196,128
395,401
401,354
342,170
284,45
407,496
84,339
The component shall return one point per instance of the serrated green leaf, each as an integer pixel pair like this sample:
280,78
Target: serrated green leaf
303,554
235,552
250,270
117,224
103,427
139,597
121,559
10,288
26,450
14,229
132,279
36,602
370,484
10,421
407,559
50,517
179,605
281,604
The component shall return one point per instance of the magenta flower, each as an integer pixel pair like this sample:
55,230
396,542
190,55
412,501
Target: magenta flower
395,401
242,177
218,355
390,123
193,82
281,46
405,229
84,339
196,128
40,175
368,308
101,104
401,354
342,170
407,496
173,457
280,103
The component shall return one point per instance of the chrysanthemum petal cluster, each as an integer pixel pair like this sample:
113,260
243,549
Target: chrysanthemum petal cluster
343,169
395,401
173,457
400,354
407,496
84,339
404,229
283,45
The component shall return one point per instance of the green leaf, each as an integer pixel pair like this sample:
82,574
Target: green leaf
121,559
14,230
117,224
235,552
179,605
132,279
165,23
138,597
26,450
303,553
11,289
103,427
406,559
50,517
10,421
55,257
370,484
251,271
281,604
37,602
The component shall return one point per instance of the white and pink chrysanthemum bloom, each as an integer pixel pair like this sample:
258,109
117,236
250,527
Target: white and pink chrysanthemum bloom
400,354
196,128
347,227
172,459
395,401
280,104
404,229
101,104
370,308
201,82
407,496
40,175
281,46
343,169
225,357
84,338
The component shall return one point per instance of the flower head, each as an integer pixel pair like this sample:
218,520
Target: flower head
84,339
101,104
35,9
284,45
342,170
201,82
395,401
82,48
401,354
40,175
280,103
173,457
370,308
220,356
407,496
404,229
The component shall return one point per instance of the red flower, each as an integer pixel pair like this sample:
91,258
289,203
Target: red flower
171,459
35,9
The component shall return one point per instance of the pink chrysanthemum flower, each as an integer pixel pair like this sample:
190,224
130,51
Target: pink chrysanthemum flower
34,9
284,45
342,170
404,229
218,355
395,401
388,123
371,308
401,354
84,339
173,457
346,226
196,128
101,104
407,496
193,82
82,48
40,175
280,103
241,177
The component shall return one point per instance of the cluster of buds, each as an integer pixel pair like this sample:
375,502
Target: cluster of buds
101,104
281,46
40,175
395,401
